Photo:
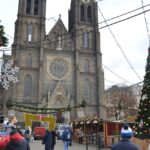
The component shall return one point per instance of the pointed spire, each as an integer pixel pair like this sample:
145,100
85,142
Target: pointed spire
59,16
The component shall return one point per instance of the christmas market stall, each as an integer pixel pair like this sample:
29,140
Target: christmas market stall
112,132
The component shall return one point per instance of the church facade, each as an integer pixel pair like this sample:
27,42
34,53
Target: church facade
62,67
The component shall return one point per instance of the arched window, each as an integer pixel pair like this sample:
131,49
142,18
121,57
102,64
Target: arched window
85,40
87,91
89,14
28,8
82,13
29,32
87,65
29,61
36,6
27,88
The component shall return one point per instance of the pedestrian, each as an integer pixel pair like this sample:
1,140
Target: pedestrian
17,142
47,140
53,139
80,135
125,142
27,134
71,135
66,137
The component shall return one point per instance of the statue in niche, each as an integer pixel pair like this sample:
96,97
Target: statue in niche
49,94
59,43
80,112
72,102
44,103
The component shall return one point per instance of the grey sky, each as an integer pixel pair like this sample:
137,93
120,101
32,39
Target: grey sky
131,34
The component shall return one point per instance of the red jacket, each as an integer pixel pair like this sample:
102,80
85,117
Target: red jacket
17,142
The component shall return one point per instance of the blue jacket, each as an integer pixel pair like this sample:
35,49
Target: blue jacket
125,144
66,135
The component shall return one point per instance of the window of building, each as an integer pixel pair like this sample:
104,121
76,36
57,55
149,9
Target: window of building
28,8
87,65
29,61
27,88
29,30
89,14
87,91
85,40
82,13
36,6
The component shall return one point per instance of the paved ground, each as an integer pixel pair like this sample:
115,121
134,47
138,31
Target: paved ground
59,146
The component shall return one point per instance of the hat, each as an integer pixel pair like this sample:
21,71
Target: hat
126,131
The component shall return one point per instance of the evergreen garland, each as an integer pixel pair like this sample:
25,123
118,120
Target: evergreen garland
40,110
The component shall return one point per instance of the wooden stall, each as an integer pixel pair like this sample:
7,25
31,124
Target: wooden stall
143,144
112,132
87,127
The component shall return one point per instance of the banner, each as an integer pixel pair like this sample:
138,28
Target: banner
29,118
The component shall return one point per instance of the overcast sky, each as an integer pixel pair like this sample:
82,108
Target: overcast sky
131,35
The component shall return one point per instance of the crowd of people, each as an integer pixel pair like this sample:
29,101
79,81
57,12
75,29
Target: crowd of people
19,140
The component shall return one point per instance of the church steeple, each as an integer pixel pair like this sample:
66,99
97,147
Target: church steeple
82,12
32,8
30,24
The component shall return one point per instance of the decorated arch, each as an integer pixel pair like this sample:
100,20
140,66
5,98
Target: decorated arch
29,118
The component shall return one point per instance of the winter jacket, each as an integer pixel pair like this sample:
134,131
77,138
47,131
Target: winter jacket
66,135
47,140
125,144
17,142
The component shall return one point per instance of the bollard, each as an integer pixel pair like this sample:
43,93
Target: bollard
112,140
99,142
86,142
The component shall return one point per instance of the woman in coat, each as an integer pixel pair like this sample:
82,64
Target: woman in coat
47,140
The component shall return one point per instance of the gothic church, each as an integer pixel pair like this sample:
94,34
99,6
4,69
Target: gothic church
62,67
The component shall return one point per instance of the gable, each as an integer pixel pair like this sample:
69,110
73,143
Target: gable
58,38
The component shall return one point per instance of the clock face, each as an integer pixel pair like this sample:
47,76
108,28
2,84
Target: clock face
58,68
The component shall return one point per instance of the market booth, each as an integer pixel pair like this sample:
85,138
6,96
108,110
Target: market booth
94,128
112,132
91,127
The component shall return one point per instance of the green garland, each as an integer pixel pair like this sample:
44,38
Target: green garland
35,110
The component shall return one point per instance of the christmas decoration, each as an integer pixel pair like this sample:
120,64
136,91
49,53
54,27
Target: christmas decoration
7,74
141,123
36,110
142,128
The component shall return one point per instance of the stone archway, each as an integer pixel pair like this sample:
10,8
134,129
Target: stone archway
61,102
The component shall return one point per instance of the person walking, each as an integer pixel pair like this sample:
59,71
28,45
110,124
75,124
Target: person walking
53,139
47,140
125,142
80,135
66,138
17,142
27,134
71,136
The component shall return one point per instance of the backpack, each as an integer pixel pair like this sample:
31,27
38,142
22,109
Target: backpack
66,136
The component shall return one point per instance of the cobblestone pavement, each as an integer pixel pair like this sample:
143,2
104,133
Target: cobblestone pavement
36,145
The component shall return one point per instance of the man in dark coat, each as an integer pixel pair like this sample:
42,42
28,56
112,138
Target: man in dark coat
17,142
47,140
53,139
125,143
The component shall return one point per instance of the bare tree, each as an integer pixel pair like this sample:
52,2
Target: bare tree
121,101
